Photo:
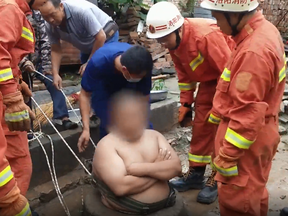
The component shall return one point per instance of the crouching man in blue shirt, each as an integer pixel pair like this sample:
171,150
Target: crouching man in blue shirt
112,68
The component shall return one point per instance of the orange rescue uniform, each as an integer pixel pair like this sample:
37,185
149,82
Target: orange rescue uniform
247,101
16,41
201,57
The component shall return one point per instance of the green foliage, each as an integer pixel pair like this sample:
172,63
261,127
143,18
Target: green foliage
158,85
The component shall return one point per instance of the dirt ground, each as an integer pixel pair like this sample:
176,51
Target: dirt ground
180,138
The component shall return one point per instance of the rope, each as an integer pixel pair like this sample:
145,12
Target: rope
91,140
53,171
71,150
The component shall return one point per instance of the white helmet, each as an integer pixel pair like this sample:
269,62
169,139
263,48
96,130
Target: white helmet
162,19
230,5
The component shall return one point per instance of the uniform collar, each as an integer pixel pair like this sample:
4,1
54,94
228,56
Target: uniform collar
23,5
185,35
249,28
67,11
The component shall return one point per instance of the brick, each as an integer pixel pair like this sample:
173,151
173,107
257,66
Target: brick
133,35
159,65
168,57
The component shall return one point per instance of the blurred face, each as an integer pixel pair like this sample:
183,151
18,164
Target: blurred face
223,23
53,15
130,119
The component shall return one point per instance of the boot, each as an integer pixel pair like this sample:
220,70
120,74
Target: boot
284,212
194,180
209,193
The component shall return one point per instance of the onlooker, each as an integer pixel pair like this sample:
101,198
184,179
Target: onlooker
42,62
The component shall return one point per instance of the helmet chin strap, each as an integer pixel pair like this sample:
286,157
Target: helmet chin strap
234,27
178,39
31,3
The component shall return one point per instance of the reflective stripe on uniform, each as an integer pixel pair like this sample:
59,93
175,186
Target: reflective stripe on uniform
5,176
6,74
226,75
196,62
187,86
282,73
27,34
233,171
237,140
25,211
214,119
17,116
200,158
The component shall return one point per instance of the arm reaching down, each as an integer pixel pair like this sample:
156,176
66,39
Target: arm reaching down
164,169
115,174
84,101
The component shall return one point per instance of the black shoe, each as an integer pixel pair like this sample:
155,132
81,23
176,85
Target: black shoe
69,125
209,193
33,213
284,212
194,180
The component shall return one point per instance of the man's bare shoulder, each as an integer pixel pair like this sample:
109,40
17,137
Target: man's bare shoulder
152,133
106,143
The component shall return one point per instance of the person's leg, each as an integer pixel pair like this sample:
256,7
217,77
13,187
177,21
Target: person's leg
60,110
19,158
246,194
201,146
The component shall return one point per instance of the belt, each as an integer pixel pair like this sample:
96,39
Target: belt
110,29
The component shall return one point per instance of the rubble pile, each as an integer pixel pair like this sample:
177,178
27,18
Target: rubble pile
276,11
128,33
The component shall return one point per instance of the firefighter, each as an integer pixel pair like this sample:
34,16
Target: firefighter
199,51
16,41
247,102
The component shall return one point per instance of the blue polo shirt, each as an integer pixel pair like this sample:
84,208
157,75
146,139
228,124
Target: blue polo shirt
103,80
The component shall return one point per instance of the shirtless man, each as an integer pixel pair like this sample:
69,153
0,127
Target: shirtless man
132,165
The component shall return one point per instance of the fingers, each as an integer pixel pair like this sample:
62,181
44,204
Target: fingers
27,125
82,143
31,114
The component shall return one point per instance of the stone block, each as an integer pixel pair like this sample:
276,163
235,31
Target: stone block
164,115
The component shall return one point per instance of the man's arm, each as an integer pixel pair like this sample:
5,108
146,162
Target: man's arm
100,39
215,48
93,28
56,54
186,86
111,168
163,170
84,101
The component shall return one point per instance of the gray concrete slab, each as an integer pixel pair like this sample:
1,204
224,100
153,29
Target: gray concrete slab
65,161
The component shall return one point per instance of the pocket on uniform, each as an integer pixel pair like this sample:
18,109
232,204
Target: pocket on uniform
223,86
17,145
234,193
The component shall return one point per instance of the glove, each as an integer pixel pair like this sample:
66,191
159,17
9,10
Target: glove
17,113
185,116
14,203
25,90
226,165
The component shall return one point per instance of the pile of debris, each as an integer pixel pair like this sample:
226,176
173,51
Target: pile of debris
163,63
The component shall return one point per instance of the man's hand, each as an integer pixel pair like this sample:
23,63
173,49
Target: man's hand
57,81
163,155
24,89
28,67
83,140
82,69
